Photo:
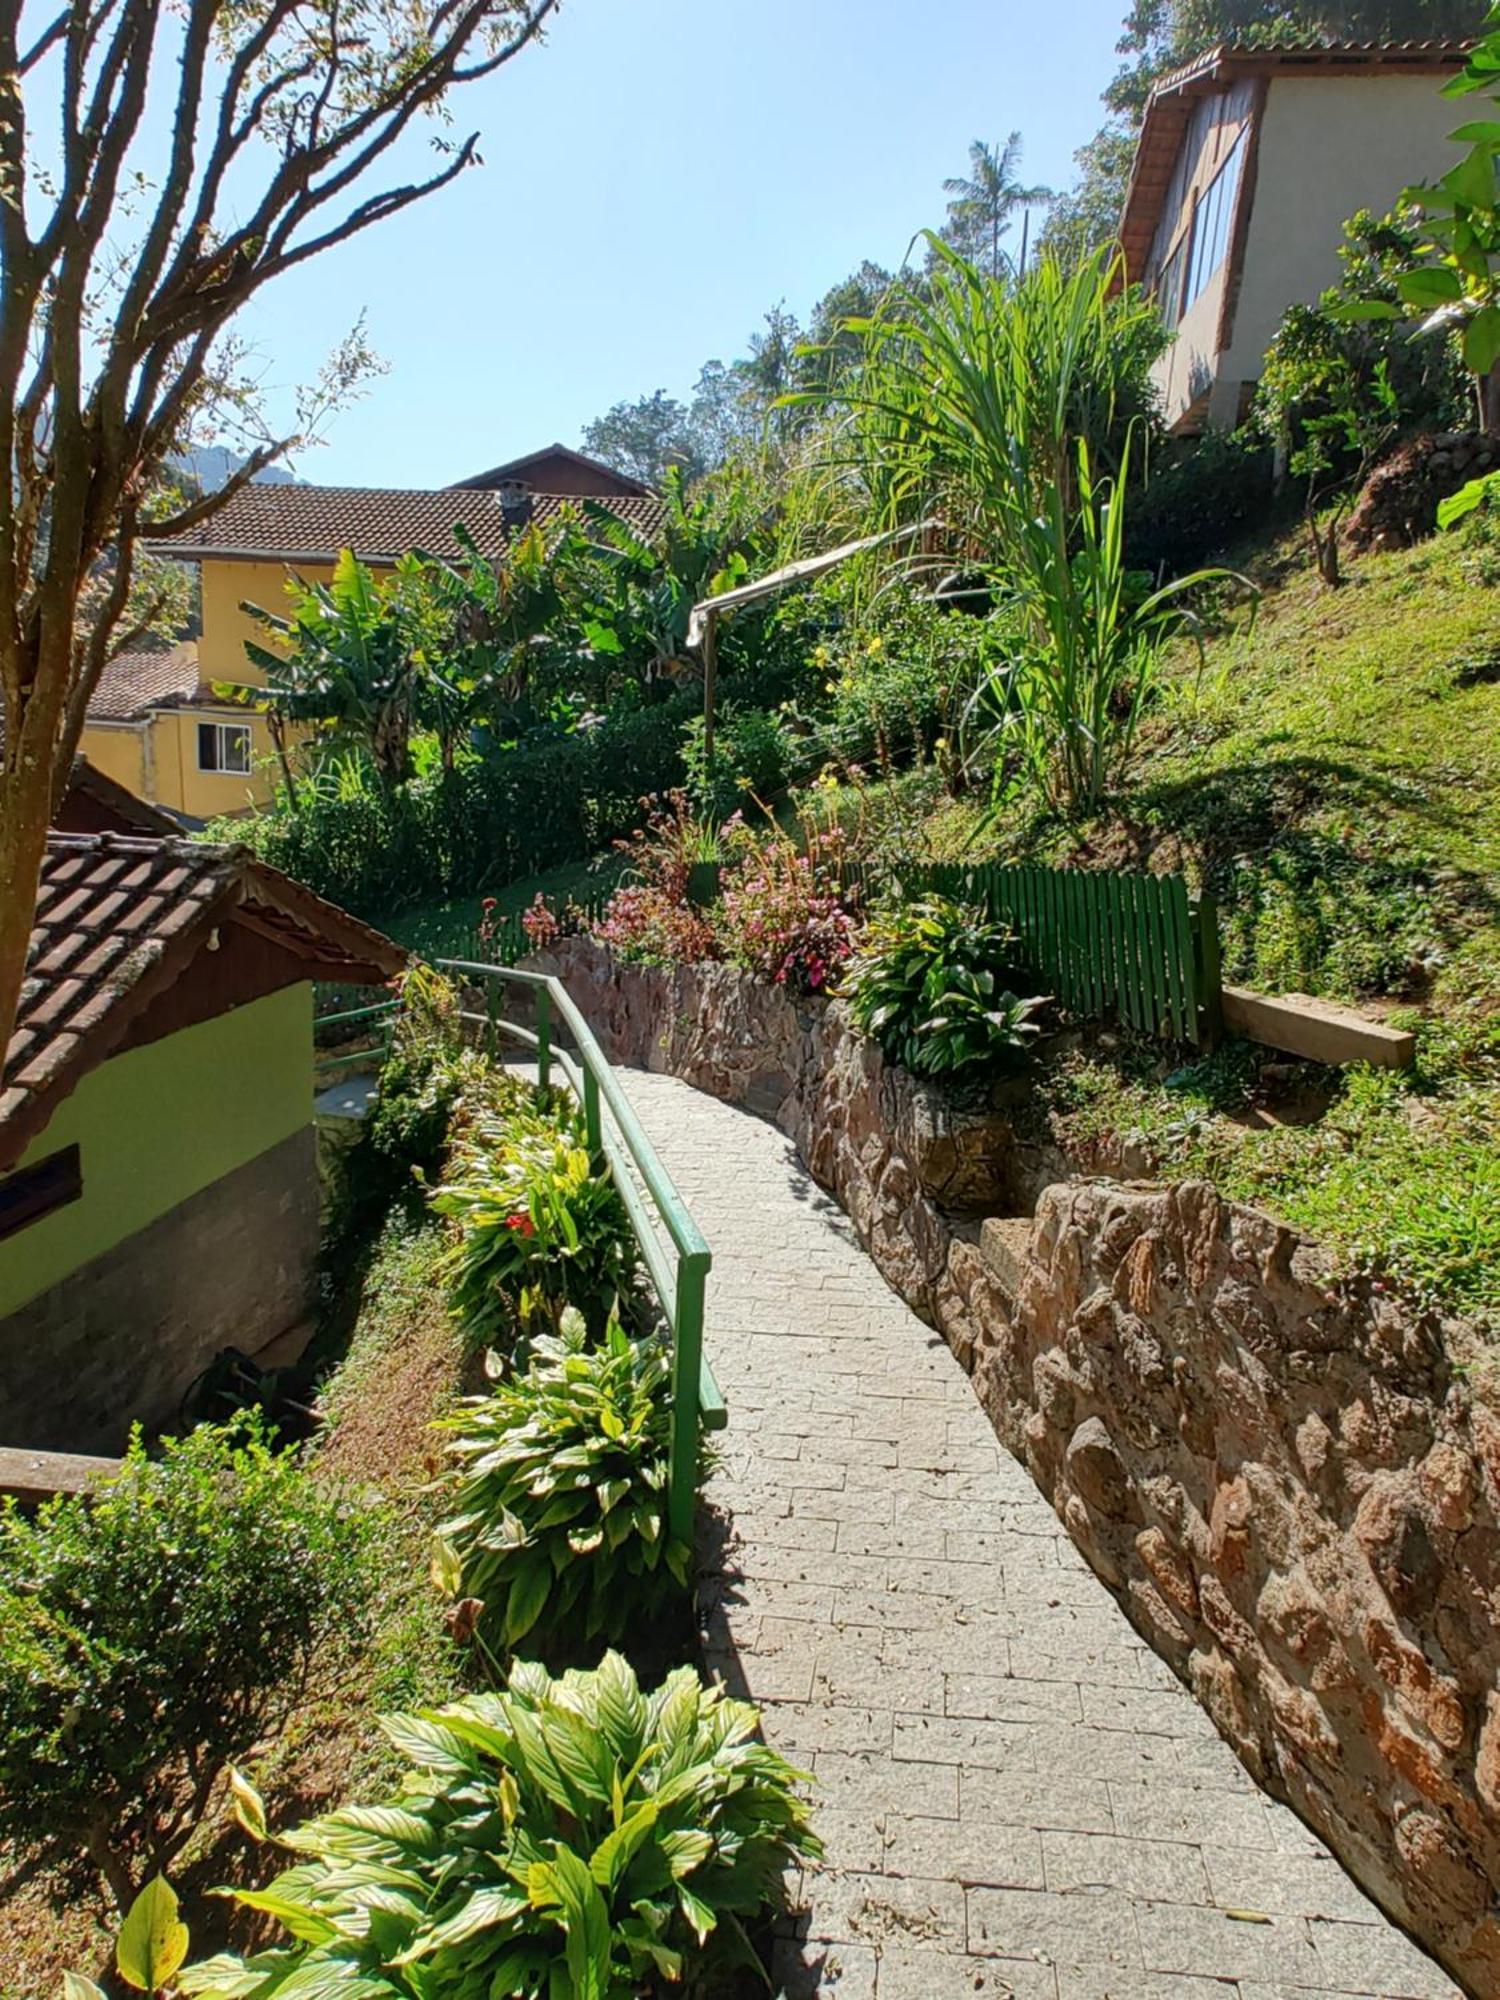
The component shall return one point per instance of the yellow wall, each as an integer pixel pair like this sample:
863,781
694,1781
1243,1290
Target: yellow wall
159,1123
227,585
118,750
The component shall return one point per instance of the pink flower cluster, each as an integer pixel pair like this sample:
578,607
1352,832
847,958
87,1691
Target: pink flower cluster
646,923
786,916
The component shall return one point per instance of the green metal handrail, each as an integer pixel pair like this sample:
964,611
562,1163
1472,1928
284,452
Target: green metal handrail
680,1280
326,1059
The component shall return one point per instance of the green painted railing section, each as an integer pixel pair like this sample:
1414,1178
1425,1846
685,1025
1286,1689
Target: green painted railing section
679,1267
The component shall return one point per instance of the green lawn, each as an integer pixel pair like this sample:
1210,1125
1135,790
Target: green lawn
447,930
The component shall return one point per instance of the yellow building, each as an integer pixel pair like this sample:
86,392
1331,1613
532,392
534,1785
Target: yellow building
157,727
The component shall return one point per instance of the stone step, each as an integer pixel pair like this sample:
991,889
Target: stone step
1003,1243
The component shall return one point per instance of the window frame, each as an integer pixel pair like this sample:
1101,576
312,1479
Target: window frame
220,732
27,1194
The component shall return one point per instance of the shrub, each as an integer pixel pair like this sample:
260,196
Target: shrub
541,1227
754,751
652,918
929,983
154,1631
1198,499
897,681
558,1487
563,1837
785,913
514,812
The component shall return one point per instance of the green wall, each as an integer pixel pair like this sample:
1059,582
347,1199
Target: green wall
159,1123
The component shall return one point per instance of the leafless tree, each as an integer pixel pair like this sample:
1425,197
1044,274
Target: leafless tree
159,165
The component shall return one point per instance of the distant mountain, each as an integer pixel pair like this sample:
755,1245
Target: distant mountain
214,465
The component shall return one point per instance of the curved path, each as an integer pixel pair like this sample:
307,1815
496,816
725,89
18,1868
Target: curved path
1016,1796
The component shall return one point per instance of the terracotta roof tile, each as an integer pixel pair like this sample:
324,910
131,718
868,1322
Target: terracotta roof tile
118,917
147,677
380,523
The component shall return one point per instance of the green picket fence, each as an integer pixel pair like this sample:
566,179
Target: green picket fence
1135,948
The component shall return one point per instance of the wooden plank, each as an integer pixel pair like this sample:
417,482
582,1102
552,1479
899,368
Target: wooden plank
1180,959
34,1476
1156,955
1319,1030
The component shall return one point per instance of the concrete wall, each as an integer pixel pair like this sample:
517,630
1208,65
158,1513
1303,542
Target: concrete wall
128,1333
1326,146
154,1128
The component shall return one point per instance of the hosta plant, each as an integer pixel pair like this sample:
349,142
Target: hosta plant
541,1227
568,1839
932,984
558,1484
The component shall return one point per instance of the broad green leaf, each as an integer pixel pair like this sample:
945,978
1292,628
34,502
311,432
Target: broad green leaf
587,1922
1481,132
249,1807
1432,285
527,1599
153,1939
76,1987
1481,341
613,1855
298,1918
1467,498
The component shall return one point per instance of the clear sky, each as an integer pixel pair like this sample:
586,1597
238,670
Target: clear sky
655,176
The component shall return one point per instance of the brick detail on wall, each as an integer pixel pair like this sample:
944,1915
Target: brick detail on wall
124,1337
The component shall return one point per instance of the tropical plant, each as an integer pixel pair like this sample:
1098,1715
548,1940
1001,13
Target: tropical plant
649,589
541,1227
982,203
347,660
569,1839
154,1629
558,1485
1000,406
934,983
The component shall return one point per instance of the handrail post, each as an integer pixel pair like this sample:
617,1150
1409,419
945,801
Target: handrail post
1210,973
543,1036
592,1128
687,1364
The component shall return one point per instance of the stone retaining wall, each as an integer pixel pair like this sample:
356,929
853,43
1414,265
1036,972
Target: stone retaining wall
1275,1470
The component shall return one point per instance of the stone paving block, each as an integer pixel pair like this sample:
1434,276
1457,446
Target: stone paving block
1027,1798
1022,1923
882,1909
1148,1712
863,1782
1299,1884
1102,1666
1377,1959
1159,1870
800,1729
1175,1938
1168,1812
892,1538
1003,1698
908,1974
823,1971
982,1852
1104,1753
1098,1982
940,1739
849,1672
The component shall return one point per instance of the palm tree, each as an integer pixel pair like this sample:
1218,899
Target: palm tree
980,208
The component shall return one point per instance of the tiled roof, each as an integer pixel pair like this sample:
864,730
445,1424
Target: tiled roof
551,454
149,677
118,918
313,523
95,803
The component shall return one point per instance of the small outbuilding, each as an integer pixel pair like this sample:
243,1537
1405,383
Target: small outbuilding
158,1165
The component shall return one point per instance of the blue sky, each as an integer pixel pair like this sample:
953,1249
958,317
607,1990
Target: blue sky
655,177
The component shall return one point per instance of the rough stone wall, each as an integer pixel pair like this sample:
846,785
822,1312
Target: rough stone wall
1276,1471
124,1337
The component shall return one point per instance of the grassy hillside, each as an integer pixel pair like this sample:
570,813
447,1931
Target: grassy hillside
1331,771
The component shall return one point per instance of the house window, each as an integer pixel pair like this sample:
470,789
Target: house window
27,1196
1212,220
224,746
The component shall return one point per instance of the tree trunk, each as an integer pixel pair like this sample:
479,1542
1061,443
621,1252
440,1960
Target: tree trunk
1487,402
25,812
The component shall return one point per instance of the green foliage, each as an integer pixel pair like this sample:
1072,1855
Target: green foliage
153,1939
754,751
932,983
999,404
541,1226
153,1631
568,1837
550,799
558,1487
1197,499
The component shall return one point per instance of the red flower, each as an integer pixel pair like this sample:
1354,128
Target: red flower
522,1222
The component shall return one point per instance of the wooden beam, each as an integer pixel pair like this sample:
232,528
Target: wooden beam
34,1476
1319,1030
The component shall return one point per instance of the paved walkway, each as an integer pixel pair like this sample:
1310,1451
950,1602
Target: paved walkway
1017,1798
